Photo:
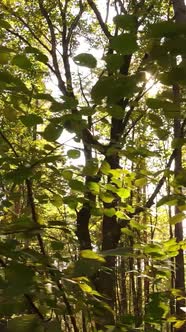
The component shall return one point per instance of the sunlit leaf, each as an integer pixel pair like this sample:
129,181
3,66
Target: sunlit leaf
140,182
94,188
177,218
123,193
109,212
107,197
91,255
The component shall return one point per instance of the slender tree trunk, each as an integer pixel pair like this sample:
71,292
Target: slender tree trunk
123,287
180,17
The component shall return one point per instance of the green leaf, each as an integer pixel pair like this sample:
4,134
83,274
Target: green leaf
127,231
105,167
177,218
126,22
166,29
135,224
85,60
114,61
155,103
176,75
123,193
114,88
156,308
31,120
86,267
110,212
91,168
140,182
93,187
122,215
154,250
22,61
116,112
4,24
67,174
10,113
107,197
176,45
19,175
128,252
44,96
20,277
39,56
77,185
4,58
181,178
8,78
124,44
52,132
57,200
74,154
168,200
25,323
91,255
57,245
69,102
86,288
162,134
179,324
156,120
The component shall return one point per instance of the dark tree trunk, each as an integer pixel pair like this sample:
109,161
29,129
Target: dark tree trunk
180,17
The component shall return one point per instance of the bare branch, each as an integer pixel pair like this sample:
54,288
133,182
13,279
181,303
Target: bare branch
82,90
75,22
122,8
150,201
53,52
99,18
107,11
34,215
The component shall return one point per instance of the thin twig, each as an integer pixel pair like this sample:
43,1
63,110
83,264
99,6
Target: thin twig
82,90
9,143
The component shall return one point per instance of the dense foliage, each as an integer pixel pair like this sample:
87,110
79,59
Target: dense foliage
92,165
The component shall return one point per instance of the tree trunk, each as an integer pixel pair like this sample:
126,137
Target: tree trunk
180,17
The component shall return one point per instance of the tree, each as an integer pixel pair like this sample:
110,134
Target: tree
79,234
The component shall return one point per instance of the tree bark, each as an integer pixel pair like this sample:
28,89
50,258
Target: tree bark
180,17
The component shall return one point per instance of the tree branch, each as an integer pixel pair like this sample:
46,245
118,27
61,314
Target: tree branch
53,53
99,18
9,143
34,215
75,22
150,201
28,27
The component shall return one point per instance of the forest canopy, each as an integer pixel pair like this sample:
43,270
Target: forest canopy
92,165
